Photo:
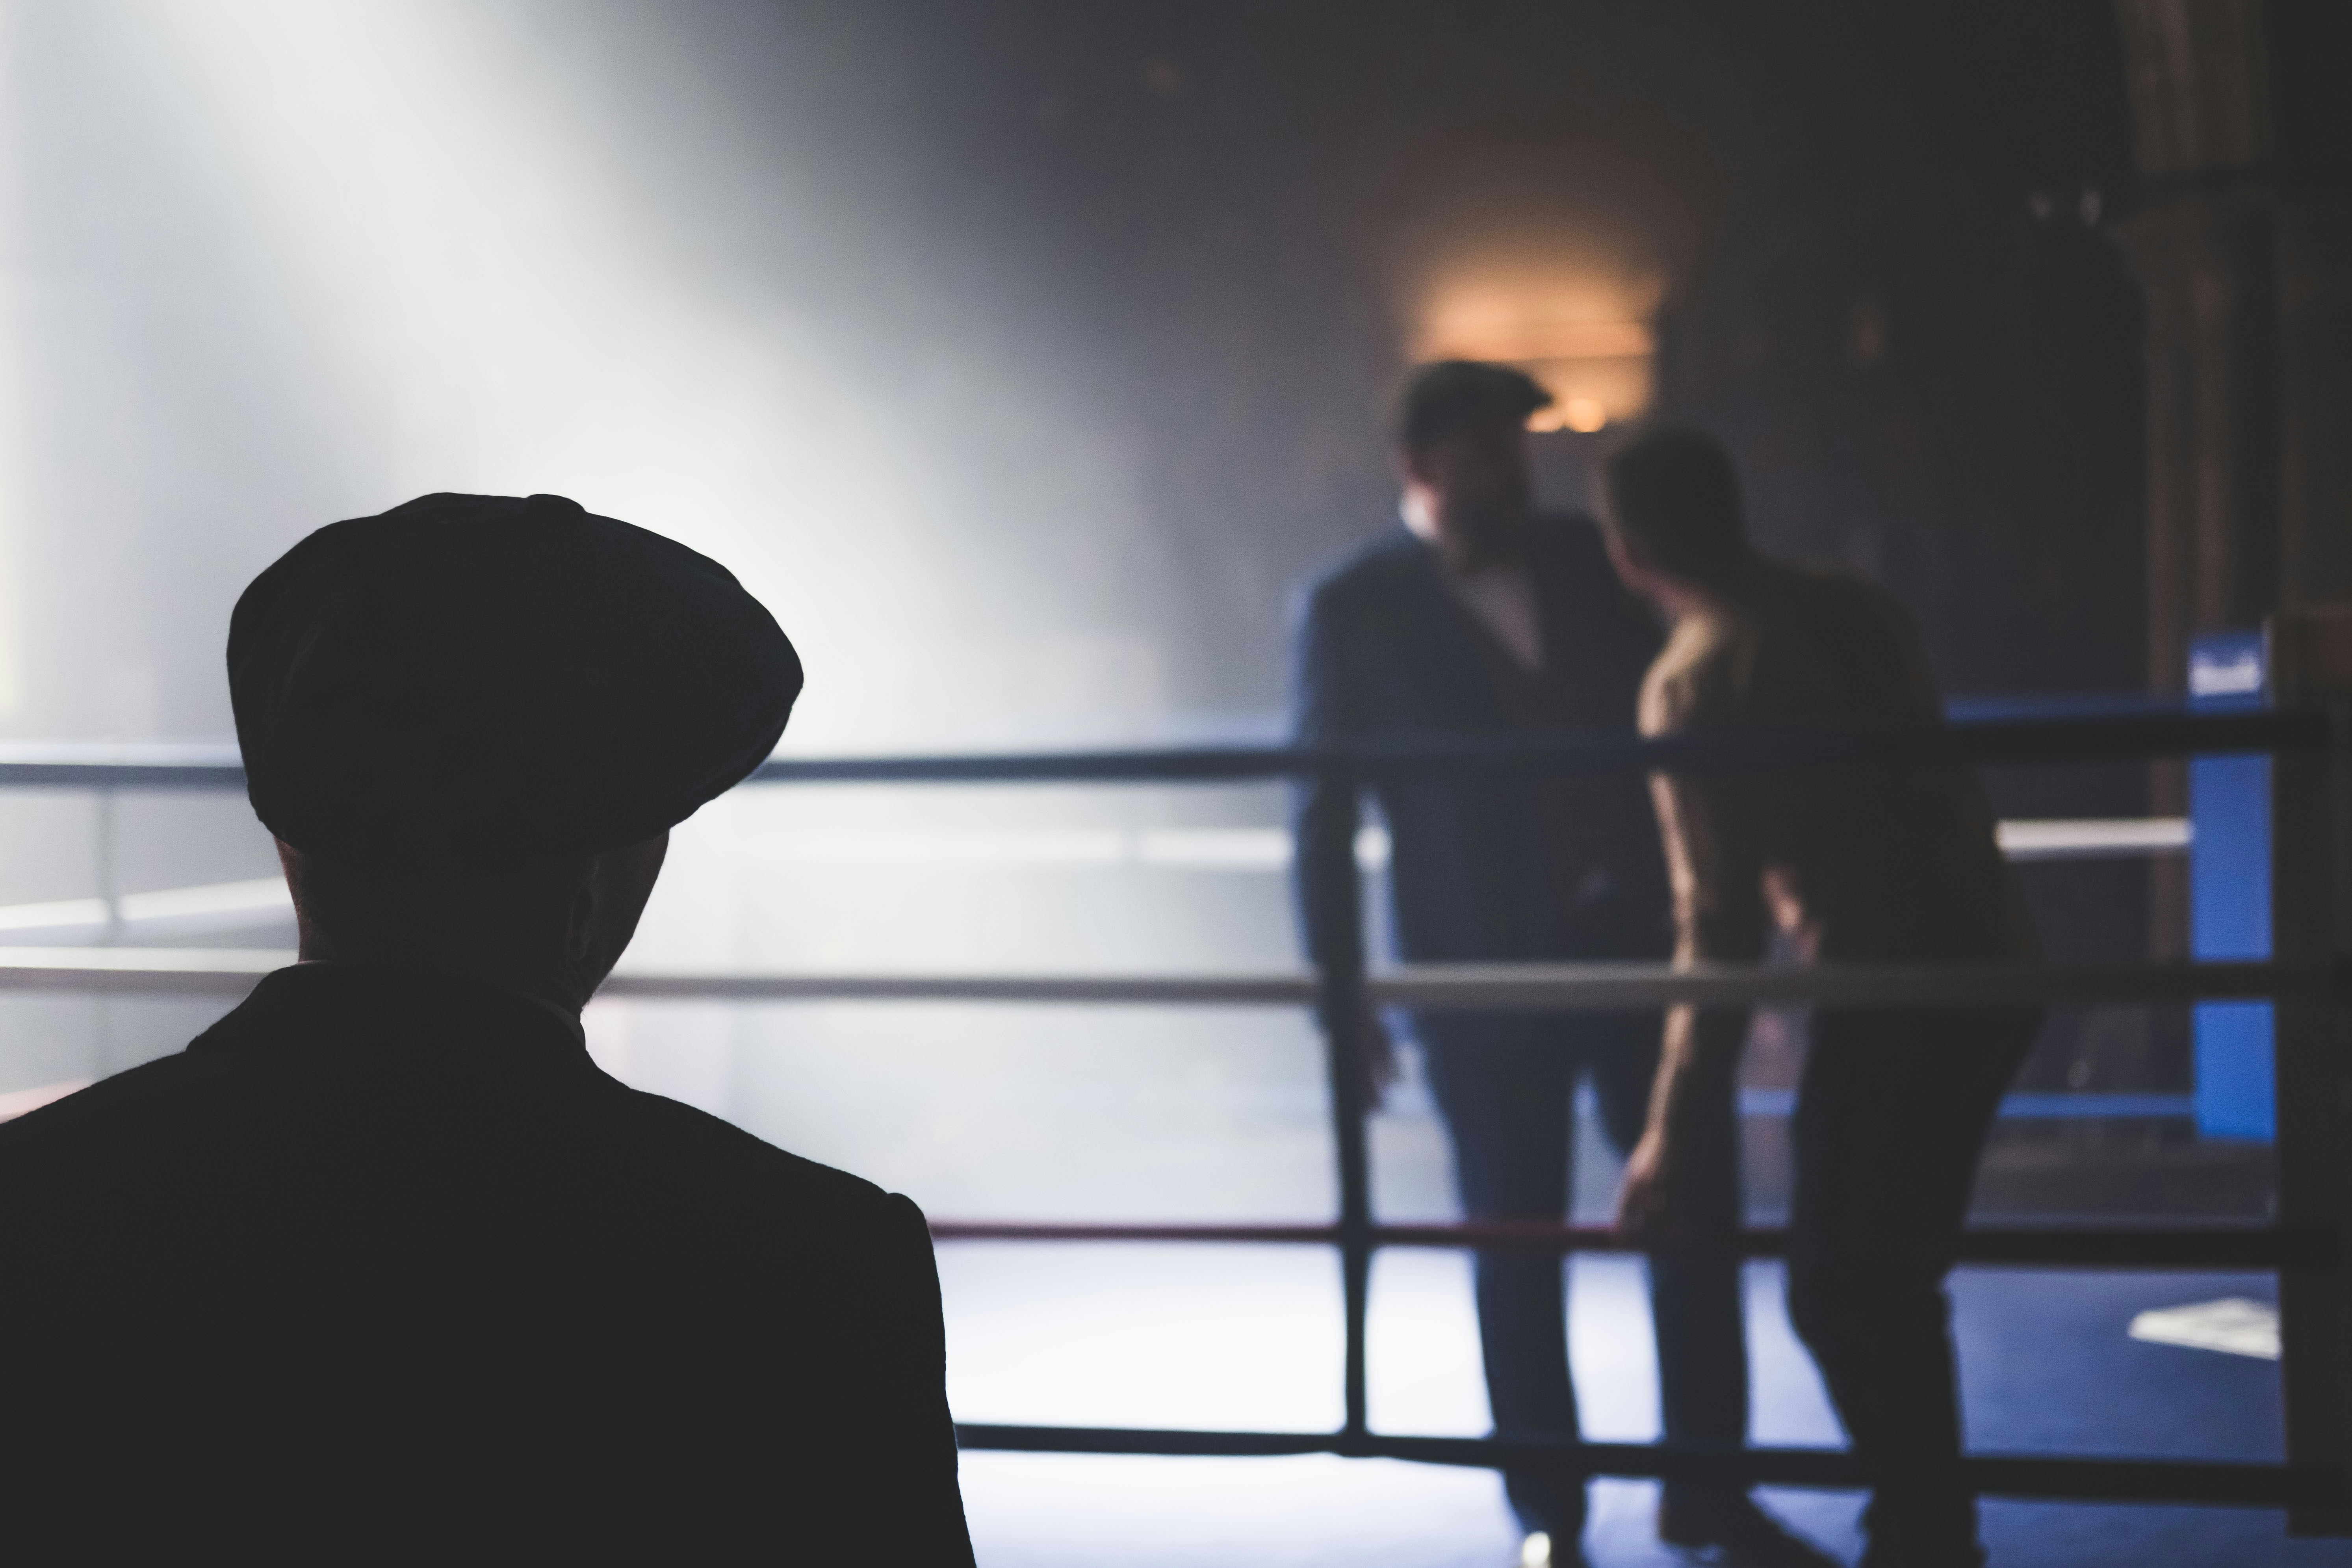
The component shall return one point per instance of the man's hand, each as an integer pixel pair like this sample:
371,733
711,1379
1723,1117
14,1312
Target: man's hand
1680,1190
1646,1196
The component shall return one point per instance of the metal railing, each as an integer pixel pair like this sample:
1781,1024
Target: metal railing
2306,978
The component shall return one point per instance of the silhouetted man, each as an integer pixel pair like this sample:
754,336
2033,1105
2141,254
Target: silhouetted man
382,1267
1482,618
1877,865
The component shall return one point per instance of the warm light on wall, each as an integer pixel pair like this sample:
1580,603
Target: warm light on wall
1585,336
1581,414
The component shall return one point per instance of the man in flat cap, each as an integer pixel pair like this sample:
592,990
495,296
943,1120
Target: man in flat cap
1483,616
382,1267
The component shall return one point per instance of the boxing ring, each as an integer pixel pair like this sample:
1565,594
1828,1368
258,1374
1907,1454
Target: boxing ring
2309,980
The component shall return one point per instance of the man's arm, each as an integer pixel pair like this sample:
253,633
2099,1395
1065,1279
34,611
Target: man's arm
1321,714
1683,1179
1324,711
911,1504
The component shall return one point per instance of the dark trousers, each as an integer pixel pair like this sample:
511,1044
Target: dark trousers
1507,1085
1891,1122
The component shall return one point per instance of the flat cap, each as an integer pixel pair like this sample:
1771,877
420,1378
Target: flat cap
1452,396
487,683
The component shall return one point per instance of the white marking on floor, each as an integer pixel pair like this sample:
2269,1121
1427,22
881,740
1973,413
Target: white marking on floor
2233,1325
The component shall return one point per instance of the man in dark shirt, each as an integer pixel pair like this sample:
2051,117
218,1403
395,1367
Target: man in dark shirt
1867,866
1481,617
383,1269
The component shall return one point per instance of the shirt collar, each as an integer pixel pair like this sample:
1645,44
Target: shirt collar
321,1005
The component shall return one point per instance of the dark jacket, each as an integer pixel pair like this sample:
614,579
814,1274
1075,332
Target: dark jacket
1384,652
384,1268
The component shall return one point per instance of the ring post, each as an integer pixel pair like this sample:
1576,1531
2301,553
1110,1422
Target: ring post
1338,890
2311,893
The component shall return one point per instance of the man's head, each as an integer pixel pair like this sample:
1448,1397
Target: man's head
1670,511
1462,451
472,720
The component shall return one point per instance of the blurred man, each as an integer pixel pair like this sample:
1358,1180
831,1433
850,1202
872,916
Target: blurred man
1483,617
383,1269
1880,865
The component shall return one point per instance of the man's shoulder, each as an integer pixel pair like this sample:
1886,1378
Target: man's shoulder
158,1137
1794,638
703,1148
116,1106
1372,572
143,1128
1837,608
746,1207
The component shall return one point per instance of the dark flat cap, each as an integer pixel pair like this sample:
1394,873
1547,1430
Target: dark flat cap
1452,396
491,682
